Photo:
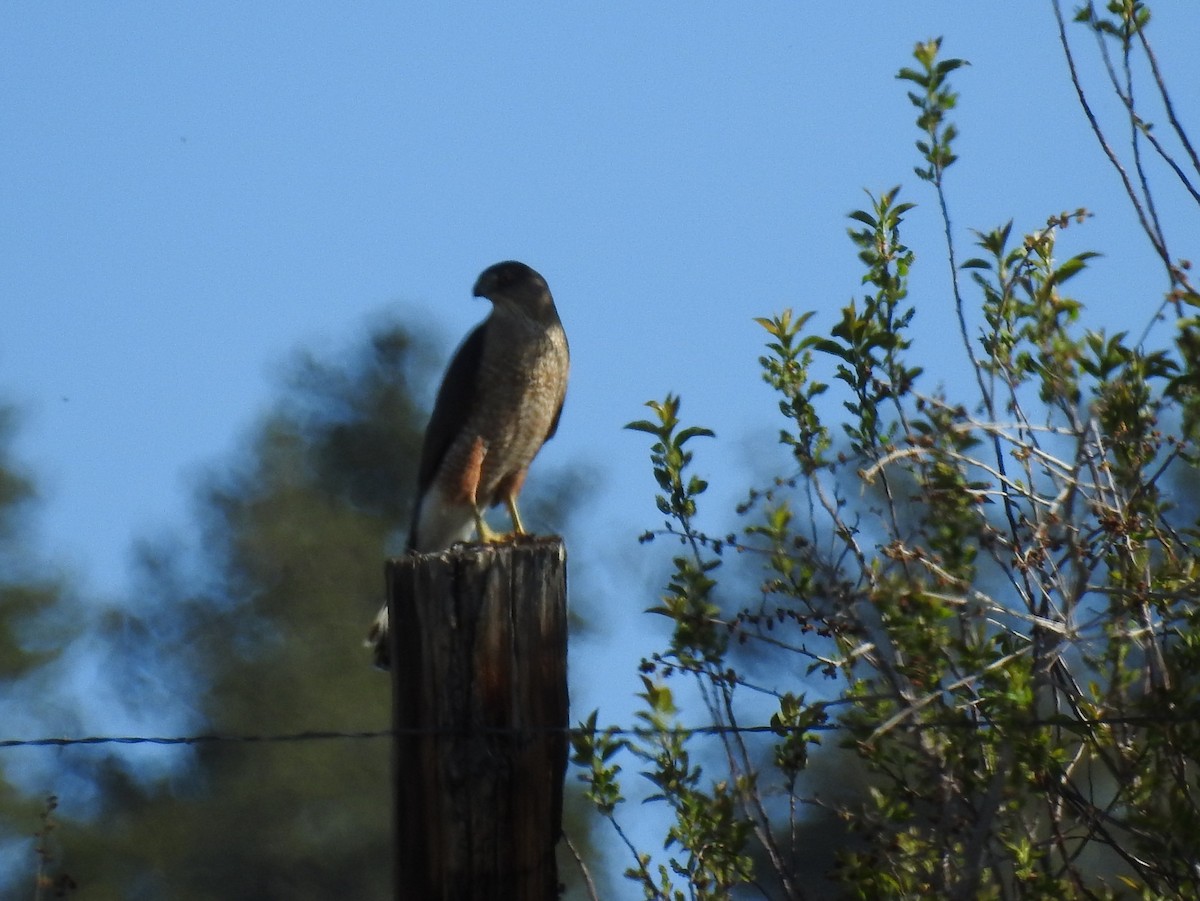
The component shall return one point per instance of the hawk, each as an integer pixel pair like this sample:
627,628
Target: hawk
499,402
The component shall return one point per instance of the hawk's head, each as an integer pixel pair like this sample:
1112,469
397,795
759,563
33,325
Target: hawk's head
517,287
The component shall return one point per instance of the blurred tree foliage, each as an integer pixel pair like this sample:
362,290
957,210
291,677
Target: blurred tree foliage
263,633
25,588
32,629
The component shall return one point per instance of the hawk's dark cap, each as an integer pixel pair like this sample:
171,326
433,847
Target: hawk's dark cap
517,284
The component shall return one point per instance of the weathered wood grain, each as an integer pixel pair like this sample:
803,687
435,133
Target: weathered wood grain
479,676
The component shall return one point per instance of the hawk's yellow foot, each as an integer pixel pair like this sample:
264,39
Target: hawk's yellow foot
487,535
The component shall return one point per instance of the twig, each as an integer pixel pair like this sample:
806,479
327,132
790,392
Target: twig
583,869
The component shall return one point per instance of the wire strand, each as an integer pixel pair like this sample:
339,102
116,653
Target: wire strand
1067,723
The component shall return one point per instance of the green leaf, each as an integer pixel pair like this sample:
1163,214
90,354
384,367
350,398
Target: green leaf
829,346
1071,267
949,65
693,432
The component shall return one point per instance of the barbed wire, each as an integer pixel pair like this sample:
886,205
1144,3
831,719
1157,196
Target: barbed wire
642,732
205,739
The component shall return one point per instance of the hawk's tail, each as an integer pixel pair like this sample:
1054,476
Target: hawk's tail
377,640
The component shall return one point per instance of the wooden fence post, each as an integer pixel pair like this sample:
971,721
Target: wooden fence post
479,703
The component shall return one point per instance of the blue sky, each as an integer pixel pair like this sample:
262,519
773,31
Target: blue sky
189,194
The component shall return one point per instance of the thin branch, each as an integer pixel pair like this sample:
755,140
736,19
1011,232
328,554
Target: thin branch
593,894
1180,132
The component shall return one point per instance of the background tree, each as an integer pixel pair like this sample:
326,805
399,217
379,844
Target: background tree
33,629
996,585
261,629
292,542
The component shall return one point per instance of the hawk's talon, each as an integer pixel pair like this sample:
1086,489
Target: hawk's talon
486,534
491,536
